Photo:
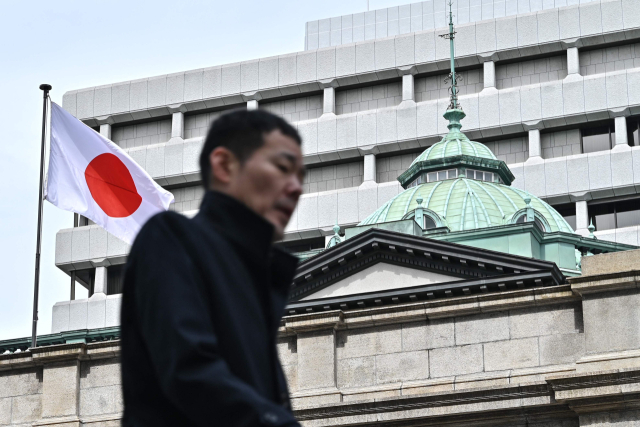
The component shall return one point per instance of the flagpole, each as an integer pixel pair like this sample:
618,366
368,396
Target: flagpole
36,287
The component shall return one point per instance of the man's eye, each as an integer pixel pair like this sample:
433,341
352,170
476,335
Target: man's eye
283,168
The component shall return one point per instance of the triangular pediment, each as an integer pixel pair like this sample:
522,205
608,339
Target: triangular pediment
381,277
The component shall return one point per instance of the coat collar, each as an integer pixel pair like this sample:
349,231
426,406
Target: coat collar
250,233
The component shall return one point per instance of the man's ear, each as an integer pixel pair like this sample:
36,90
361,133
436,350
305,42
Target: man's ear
224,165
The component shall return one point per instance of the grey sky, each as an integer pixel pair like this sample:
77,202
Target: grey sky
76,44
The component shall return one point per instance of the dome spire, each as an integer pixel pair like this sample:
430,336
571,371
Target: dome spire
454,105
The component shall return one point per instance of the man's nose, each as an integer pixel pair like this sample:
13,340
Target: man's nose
294,187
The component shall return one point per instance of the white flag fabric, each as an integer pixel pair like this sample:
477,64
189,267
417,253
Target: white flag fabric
92,176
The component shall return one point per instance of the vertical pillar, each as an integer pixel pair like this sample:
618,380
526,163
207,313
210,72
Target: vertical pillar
408,90
329,101
582,217
369,168
621,142
73,286
177,125
489,74
535,149
100,281
252,104
105,130
573,61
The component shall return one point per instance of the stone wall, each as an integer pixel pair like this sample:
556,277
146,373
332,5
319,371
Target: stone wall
187,198
609,59
530,72
21,396
561,143
196,125
434,87
294,110
510,150
142,134
389,168
368,97
333,177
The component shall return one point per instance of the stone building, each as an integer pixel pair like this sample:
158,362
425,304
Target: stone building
463,290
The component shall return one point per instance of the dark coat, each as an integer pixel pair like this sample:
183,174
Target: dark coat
202,303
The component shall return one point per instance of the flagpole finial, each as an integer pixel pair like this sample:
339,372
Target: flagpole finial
45,87
454,105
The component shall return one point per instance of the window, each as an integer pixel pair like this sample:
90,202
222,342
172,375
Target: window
115,279
434,176
482,176
429,223
568,212
598,138
522,219
633,132
617,214
295,246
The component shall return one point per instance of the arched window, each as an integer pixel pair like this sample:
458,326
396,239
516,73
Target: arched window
428,223
523,218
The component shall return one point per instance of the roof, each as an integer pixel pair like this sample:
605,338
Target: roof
455,143
467,204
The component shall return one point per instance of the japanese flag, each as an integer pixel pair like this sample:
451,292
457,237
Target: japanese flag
92,176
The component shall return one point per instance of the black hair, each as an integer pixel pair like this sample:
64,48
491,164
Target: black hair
241,132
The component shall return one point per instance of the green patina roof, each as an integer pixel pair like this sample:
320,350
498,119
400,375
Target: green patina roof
467,204
455,143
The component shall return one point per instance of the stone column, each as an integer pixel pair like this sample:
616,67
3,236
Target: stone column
408,89
329,101
369,168
582,217
573,61
60,392
100,281
177,125
105,130
535,148
97,305
621,142
489,74
252,104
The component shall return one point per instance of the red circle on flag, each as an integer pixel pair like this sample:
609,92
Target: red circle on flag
112,186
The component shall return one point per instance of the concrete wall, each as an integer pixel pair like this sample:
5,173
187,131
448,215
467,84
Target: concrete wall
561,143
368,98
334,177
413,17
533,71
434,87
149,133
187,198
293,110
21,396
613,58
389,168
510,150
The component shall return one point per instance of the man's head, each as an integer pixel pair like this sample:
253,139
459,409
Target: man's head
255,157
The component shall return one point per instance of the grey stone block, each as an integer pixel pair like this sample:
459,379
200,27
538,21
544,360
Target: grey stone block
80,244
306,66
611,16
527,27
512,354
366,131
193,84
559,349
384,53
326,63
356,372
428,335
63,246
327,209
138,99
368,342
26,409
510,106
120,95
157,91
327,134
599,170
578,171
59,391
482,328
211,82
96,311
84,103
268,72
621,169
309,132
590,19
486,36
628,235
316,360
345,60
542,321
548,26
97,243
112,310
406,366
531,103
385,126
450,361
552,99
307,212
60,317
573,96
506,33
367,200
155,160
175,88
595,93
612,321
346,126
534,179
5,411
427,117
250,76
569,22
230,75
100,400
173,158
116,247
365,56
489,108
617,89
69,102
406,119
425,47
405,49
102,100
465,40
556,168
99,373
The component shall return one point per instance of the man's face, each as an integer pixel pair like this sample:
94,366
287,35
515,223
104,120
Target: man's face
270,181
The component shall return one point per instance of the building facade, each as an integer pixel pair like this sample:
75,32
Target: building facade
514,332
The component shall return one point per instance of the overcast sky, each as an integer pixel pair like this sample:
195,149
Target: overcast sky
78,44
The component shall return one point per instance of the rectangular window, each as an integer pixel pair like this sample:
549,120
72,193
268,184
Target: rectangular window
633,132
442,175
597,139
432,176
618,214
568,212
470,173
115,279
453,173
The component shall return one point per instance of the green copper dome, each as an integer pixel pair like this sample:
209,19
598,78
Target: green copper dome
455,144
467,204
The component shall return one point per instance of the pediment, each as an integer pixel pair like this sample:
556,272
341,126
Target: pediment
381,277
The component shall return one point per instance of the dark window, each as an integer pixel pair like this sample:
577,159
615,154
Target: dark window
429,222
633,132
618,214
295,246
597,138
470,173
115,279
568,212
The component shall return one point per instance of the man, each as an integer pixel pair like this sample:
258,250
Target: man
203,297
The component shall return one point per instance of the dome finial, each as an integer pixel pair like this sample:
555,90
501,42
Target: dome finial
591,229
452,76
